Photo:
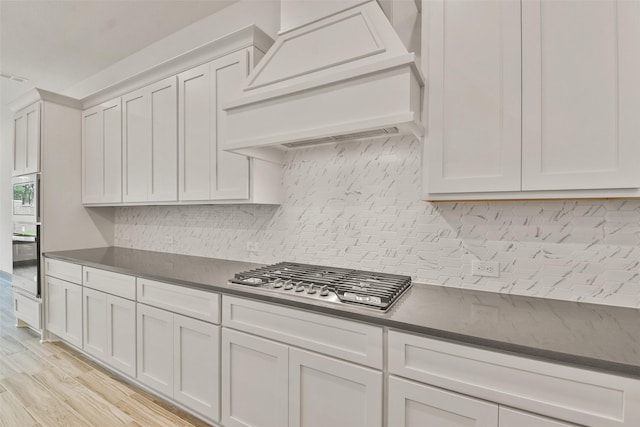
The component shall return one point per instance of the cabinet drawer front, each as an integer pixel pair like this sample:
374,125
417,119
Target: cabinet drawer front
116,284
341,338
27,310
563,392
63,270
190,302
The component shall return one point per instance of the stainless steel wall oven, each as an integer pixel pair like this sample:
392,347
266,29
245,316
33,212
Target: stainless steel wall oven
25,239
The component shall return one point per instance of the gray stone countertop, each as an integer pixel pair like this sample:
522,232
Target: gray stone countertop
593,336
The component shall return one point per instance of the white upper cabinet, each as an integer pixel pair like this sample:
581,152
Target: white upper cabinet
566,120
102,153
206,171
150,143
474,96
162,143
194,130
581,94
26,140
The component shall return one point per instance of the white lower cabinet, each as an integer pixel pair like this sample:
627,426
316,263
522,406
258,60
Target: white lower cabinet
196,373
109,329
254,381
63,309
417,405
268,384
512,418
179,357
413,404
328,392
155,348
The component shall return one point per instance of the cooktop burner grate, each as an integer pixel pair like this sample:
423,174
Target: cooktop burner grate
365,288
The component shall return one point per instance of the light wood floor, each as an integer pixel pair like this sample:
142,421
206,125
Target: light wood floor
54,385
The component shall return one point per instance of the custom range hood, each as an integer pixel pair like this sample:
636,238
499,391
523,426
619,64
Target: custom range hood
338,71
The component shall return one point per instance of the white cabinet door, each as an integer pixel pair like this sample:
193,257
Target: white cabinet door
102,153
155,348
328,392
64,309
230,171
94,309
196,369
136,145
512,418
163,185
121,334
194,133
26,140
254,381
474,55
92,156
413,404
581,94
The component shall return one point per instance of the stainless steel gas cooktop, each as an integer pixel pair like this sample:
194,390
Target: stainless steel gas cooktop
340,285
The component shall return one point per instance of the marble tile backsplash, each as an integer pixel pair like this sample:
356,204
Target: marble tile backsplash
358,205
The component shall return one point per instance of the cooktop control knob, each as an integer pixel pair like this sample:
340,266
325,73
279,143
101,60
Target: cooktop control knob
278,283
311,290
300,287
288,285
324,291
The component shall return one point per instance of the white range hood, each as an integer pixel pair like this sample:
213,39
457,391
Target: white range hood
346,75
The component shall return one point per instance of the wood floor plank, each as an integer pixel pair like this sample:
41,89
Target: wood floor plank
83,400
110,390
27,362
43,350
10,345
40,403
68,364
146,412
12,412
192,420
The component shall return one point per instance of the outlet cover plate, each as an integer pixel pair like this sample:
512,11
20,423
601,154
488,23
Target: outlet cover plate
485,268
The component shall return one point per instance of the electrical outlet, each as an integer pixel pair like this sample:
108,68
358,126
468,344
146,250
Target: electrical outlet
253,246
485,268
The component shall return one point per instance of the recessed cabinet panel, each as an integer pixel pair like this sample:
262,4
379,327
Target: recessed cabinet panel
231,177
102,153
92,158
417,405
136,159
316,383
63,310
512,418
155,348
94,309
581,94
254,381
26,140
194,127
164,146
196,365
474,96
121,334
112,149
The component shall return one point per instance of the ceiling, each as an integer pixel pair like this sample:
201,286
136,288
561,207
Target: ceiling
55,44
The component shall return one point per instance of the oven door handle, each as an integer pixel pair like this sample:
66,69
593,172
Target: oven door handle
27,239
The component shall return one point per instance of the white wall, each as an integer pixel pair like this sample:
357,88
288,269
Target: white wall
358,205
263,13
6,125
